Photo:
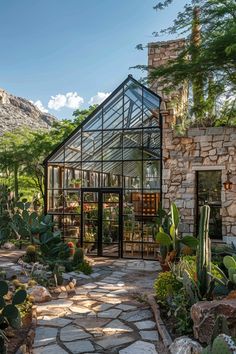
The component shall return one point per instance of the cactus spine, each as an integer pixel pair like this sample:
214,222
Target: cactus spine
204,251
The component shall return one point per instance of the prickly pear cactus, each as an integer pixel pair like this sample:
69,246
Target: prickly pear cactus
9,313
222,344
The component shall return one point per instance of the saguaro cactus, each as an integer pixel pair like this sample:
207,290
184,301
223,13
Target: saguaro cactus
204,251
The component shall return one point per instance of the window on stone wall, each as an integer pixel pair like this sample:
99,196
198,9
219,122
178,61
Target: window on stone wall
209,187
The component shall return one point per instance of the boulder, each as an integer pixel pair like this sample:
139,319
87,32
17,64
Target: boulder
39,293
185,345
204,314
8,246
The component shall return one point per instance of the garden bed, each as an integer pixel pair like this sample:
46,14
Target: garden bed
21,340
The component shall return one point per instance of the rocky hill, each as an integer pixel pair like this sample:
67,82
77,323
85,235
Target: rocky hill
16,112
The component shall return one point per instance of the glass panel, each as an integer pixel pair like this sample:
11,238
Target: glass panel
90,222
151,174
110,224
209,192
112,145
133,170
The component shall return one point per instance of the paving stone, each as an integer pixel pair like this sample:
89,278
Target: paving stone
79,309
88,303
95,275
120,283
54,322
44,336
94,326
80,291
149,335
114,340
112,313
137,315
118,292
103,307
100,290
139,347
125,307
80,346
96,294
145,325
116,326
61,303
49,349
111,300
89,286
72,332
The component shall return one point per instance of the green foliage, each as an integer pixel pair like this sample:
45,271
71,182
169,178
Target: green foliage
15,219
31,254
84,267
207,63
222,344
9,313
204,252
179,307
165,286
53,249
78,257
170,240
22,153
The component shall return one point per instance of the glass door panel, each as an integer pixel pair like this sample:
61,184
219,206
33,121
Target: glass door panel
209,187
111,224
90,222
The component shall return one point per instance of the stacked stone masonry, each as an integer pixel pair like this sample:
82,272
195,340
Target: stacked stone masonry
200,149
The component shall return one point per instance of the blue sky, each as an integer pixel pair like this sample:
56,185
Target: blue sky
74,48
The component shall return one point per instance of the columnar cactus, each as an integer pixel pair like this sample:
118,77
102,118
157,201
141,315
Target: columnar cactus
204,251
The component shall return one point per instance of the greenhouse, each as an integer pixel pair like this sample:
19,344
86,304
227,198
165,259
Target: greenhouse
103,183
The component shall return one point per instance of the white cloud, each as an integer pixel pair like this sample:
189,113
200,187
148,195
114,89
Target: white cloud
69,100
40,106
99,98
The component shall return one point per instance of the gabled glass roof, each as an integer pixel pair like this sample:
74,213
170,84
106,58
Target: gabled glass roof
124,125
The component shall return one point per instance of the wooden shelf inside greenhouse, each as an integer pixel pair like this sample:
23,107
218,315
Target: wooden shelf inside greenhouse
145,203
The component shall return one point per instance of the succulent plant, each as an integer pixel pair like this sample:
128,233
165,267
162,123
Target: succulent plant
204,251
222,344
9,313
171,240
78,256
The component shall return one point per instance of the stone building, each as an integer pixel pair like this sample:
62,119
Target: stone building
195,165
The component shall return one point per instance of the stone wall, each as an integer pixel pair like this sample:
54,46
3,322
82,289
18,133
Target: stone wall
200,149
160,53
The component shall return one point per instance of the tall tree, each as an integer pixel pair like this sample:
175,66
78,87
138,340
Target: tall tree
208,61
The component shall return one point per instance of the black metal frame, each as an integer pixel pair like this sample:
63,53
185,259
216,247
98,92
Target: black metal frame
100,192
122,161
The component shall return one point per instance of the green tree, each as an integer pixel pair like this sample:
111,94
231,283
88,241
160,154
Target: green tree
208,62
22,152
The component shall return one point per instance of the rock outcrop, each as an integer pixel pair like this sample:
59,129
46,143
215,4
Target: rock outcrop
16,112
204,314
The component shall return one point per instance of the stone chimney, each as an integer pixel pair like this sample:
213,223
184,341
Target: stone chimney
160,53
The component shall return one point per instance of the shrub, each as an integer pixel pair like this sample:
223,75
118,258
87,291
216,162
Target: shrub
78,256
84,267
166,285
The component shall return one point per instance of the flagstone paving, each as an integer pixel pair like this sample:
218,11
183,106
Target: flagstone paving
104,315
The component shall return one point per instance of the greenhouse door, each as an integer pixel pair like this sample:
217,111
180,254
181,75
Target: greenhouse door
101,225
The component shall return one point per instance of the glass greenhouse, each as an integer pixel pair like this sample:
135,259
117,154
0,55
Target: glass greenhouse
103,183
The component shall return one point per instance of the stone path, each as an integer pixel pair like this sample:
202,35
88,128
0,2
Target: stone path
106,313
